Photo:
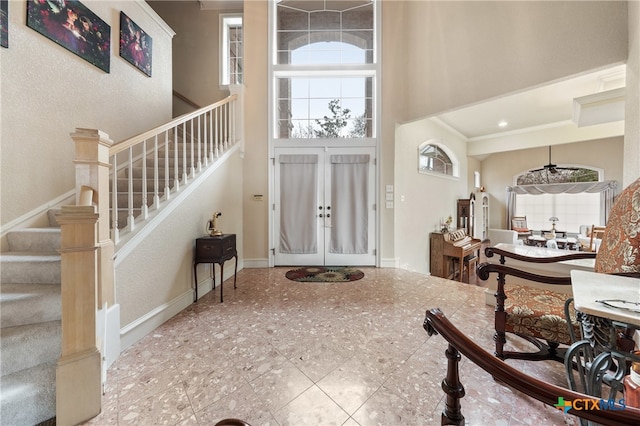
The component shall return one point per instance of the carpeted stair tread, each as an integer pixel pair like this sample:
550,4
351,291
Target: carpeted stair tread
30,267
27,303
26,346
34,239
29,396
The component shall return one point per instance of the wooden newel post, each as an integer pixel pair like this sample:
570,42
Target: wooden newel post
92,171
452,415
78,373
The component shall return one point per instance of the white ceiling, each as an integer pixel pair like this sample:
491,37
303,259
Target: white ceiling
545,107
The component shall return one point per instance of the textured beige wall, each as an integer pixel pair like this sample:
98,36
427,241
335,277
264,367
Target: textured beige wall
195,52
423,200
499,169
256,178
632,103
465,52
160,269
47,92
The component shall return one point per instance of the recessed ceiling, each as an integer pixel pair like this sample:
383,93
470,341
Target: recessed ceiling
542,106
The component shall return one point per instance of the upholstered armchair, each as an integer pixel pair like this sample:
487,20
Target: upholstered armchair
535,314
538,315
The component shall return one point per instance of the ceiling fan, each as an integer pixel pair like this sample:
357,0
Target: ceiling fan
551,168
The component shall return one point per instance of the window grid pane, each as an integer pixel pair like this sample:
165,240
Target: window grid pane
572,210
314,104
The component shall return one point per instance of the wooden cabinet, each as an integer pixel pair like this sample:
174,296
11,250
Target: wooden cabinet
214,250
438,266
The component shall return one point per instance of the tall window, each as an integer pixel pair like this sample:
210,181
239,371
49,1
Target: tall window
231,51
324,69
572,209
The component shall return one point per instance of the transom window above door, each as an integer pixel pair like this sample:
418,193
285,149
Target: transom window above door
324,69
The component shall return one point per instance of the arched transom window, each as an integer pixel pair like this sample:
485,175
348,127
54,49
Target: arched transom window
434,157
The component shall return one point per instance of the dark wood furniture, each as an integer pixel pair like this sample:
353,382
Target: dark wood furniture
436,323
449,253
523,315
214,250
465,216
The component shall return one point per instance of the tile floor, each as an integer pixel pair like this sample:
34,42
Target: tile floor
279,352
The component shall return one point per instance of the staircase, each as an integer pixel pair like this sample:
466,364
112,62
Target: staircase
30,335
30,271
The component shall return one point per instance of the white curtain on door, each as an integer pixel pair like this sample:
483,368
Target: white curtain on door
298,198
349,204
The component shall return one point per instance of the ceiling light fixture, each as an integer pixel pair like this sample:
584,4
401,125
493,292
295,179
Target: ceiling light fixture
503,123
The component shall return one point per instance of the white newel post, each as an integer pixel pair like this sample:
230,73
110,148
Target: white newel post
78,372
92,171
87,253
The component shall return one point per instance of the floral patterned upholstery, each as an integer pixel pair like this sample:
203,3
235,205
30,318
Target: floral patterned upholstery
538,313
619,249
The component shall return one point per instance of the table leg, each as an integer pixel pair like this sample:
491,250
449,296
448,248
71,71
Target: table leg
221,279
461,266
195,276
235,272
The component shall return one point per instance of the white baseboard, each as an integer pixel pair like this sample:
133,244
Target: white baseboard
136,330
389,263
256,263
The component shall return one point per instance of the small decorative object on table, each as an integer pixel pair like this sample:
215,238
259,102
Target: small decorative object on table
446,226
553,221
211,225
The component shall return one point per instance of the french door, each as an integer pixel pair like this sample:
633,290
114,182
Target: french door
324,206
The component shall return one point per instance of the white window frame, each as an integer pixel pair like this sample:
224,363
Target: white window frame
455,163
339,70
227,20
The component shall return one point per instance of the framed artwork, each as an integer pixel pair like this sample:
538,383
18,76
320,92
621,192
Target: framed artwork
135,44
74,27
4,23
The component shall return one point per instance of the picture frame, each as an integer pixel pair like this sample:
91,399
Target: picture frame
4,23
135,45
73,26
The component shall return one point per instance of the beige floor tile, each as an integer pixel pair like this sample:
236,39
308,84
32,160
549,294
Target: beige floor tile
279,352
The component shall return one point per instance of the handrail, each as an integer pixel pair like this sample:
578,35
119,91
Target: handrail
148,168
436,323
490,251
124,144
485,268
186,100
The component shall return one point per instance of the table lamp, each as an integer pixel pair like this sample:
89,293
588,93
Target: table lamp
553,220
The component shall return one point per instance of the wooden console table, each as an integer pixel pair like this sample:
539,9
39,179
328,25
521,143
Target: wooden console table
215,250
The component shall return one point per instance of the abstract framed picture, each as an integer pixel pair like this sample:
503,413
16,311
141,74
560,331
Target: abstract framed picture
73,26
135,44
4,23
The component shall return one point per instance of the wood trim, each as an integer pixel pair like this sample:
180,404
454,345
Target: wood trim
436,323
186,100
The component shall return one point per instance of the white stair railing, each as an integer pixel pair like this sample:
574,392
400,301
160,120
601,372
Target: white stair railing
170,155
